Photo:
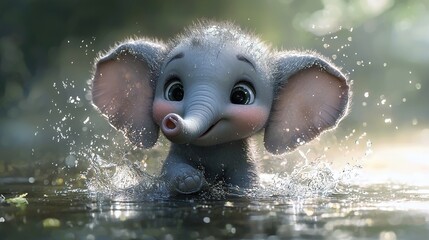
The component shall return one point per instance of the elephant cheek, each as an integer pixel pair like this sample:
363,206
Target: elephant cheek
248,119
162,108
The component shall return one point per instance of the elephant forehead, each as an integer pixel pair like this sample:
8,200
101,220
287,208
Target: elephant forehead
217,55
209,62
220,63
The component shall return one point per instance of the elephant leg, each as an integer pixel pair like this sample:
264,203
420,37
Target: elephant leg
244,178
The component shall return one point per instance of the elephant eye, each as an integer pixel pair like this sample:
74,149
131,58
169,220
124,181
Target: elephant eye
242,93
174,90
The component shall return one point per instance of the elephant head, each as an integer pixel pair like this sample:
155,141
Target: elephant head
216,84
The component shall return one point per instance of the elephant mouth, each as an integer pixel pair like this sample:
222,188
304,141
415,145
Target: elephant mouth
209,130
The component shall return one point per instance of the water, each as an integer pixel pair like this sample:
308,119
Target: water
377,211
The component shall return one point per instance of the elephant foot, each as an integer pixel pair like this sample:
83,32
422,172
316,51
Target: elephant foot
187,181
188,184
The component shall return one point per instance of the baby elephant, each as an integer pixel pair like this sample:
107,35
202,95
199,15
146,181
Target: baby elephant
209,90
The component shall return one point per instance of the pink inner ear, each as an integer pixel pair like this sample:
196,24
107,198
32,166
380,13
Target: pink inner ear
309,103
122,91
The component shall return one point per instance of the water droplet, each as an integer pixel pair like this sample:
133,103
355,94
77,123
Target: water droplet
206,219
366,94
368,143
418,86
31,179
86,120
387,235
325,45
384,64
350,39
71,160
388,120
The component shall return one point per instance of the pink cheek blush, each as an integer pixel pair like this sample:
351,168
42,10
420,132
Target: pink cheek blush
248,119
162,107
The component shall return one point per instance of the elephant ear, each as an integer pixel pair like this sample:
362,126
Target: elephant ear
123,88
312,96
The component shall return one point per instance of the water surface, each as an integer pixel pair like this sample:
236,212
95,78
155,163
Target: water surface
375,211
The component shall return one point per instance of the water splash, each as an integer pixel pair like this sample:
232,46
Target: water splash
127,182
314,179
122,181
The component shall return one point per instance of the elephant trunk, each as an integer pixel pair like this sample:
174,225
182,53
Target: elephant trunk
200,114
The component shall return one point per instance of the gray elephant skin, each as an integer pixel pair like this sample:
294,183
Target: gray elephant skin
208,90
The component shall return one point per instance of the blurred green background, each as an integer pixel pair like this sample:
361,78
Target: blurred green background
47,49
